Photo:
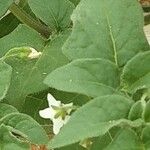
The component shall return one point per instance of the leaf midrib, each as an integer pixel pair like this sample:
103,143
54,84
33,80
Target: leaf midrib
112,38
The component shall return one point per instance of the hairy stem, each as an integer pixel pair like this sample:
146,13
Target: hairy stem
28,20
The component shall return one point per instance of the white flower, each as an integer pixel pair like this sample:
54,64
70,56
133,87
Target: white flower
34,54
57,112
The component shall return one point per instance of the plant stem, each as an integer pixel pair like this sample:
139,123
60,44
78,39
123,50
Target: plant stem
147,19
28,20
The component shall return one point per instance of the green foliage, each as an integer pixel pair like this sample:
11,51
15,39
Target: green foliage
136,111
5,77
93,77
125,137
136,73
93,54
146,136
20,127
102,118
75,2
28,74
9,22
99,31
10,142
55,13
4,4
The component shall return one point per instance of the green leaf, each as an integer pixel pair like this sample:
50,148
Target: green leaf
147,112
8,24
75,2
28,74
5,77
6,109
92,77
136,73
126,139
136,111
146,137
21,36
9,142
102,141
4,5
38,101
99,31
22,125
94,119
33,104
55,13
26,127
72,147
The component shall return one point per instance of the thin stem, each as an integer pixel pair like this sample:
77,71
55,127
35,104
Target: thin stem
28,20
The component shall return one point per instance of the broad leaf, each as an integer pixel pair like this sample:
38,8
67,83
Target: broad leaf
94,119
99,31
9,142
5,77
126,139
55,13
136,73
92,77
26,127
28,74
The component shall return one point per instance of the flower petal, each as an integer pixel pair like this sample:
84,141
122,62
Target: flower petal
52,101
57,125
66,119
47,113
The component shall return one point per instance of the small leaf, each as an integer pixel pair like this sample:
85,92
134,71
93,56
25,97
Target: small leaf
10,142
94,119
28,127
136,73
136,111
6,109
55,13
18,52
126,139
92,77
5,77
